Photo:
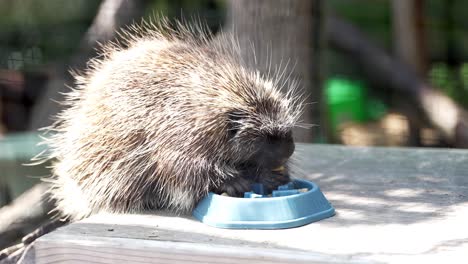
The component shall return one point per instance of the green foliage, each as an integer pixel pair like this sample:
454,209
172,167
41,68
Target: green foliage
446,40
38,32
50,29
452,81
371,16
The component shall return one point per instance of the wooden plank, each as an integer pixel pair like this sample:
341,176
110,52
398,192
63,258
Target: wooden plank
393,205
60,248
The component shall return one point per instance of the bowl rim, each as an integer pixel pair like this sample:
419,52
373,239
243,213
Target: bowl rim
311,185
305,219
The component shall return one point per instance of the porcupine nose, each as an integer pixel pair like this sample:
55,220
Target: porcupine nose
278,150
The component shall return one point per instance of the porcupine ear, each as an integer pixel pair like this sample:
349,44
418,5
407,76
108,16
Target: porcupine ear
234,119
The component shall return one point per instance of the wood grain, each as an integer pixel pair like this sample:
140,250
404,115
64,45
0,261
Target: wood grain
393,206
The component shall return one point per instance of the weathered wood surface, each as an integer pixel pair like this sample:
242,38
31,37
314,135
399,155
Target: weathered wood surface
393,206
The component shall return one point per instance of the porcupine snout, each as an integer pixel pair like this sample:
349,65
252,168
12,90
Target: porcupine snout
276,151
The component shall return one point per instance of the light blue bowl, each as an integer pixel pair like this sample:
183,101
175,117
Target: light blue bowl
265,213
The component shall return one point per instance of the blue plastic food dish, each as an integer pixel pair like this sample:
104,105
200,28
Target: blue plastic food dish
265,213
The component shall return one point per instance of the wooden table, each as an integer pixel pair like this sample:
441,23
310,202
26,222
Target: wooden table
393,206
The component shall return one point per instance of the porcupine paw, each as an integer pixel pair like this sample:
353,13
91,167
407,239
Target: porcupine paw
272,180
235,187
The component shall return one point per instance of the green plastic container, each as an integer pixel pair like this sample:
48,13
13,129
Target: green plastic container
347,100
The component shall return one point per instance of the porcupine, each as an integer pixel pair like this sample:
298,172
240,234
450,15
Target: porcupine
163,119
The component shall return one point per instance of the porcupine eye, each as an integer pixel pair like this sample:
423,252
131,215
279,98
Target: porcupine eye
234,118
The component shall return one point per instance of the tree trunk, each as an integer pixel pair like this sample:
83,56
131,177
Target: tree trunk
409,36
283,33
410,47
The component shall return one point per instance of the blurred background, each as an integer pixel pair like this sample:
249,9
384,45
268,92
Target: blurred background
377,72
